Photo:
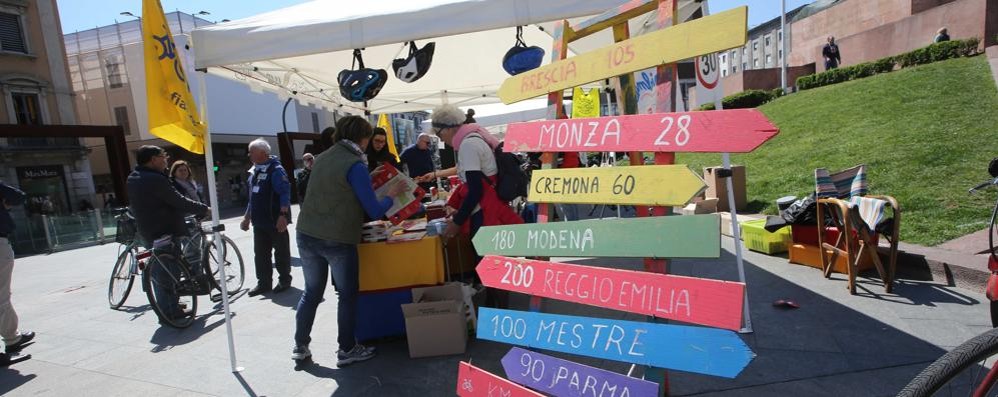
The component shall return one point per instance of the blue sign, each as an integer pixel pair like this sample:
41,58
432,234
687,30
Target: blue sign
700,350
563,378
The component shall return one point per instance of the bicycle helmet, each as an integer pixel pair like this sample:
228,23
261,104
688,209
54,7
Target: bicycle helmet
993,167
414,66
361,85
521,58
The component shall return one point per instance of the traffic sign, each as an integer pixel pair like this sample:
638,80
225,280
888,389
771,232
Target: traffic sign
563,378
475,382
693,236
637,185
721,131
694,300
701,350
708,70
709,34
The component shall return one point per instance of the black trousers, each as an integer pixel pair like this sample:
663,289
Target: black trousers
266,241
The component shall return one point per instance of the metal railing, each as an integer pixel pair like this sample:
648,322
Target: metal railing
36,234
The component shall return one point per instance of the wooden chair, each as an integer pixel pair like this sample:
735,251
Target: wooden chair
842,199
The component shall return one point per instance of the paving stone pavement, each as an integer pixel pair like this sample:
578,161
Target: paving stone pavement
870,344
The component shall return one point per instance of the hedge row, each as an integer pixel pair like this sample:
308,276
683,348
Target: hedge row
933,53
746,99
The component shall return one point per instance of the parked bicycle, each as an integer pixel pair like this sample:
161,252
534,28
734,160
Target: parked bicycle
970,369
189,252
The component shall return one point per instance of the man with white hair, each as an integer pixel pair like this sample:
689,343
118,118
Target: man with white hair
418,158
269,210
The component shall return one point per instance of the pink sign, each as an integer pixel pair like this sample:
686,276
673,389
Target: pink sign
719,131
708,302
474,382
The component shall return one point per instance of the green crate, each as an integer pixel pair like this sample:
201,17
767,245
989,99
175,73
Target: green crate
756,237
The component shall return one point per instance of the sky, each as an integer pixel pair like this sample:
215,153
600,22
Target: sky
83,14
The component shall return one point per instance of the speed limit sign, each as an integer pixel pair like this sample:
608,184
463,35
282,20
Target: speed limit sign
707,71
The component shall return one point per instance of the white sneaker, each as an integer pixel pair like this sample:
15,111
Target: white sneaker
300,353
357,354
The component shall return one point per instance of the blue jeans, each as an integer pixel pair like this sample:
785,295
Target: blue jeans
318,257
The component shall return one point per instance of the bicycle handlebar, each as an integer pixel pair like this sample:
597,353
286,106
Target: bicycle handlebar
984,185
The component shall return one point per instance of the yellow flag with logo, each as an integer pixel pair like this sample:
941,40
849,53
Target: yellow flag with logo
173,114
385,123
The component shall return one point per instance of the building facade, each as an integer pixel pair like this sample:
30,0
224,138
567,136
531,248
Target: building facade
107,73
35,89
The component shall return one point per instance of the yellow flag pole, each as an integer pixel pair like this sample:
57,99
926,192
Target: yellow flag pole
217,231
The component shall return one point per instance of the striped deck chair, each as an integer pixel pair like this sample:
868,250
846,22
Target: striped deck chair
843,201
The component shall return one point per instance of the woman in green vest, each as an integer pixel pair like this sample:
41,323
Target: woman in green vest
339,193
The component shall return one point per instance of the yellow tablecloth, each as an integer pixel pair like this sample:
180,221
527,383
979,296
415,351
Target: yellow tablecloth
397,265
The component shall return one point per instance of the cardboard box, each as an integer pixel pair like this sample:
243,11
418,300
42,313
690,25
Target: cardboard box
718,188
704,206
436,322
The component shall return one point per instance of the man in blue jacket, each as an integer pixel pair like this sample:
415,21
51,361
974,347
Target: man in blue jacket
13,339
269,211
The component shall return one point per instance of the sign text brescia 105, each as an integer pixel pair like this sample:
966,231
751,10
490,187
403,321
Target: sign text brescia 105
709,34
475,382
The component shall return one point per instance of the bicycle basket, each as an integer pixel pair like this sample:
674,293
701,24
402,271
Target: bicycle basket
126,229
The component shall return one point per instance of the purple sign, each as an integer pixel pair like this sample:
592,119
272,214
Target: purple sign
563,378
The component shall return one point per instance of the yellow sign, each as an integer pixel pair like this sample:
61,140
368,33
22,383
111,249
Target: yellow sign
173,114
706,35
634,185
385,123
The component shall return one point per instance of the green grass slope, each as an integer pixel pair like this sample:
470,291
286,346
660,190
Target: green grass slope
926,135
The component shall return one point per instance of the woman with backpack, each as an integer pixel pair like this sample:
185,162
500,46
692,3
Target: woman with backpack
476,200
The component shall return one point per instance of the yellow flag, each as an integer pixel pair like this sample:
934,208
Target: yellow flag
173,114
383,122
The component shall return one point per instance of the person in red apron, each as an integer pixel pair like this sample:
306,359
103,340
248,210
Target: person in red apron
476,201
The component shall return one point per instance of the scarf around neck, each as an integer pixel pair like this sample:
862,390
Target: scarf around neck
473,128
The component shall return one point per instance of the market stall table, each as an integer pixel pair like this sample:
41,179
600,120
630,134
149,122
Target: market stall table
388,265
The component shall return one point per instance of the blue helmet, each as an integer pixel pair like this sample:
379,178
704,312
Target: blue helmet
521,58
362,84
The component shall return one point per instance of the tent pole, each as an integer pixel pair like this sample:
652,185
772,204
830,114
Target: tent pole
213,198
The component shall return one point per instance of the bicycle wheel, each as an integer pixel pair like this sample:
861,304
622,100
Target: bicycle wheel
967,370
121,278
233,260
167,279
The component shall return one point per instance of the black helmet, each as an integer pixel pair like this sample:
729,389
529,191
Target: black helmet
416,65
362,84
521,58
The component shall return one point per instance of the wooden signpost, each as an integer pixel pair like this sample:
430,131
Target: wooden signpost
646,185
711,351
694,236
562,378
715,33
708,351
694,300
474,382
734,131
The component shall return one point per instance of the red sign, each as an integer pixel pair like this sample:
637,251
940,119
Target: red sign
474,382
719,131
708,302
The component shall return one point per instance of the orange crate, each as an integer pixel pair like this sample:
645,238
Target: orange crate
808,255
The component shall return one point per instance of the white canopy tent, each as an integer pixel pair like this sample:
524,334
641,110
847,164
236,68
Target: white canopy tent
302,48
